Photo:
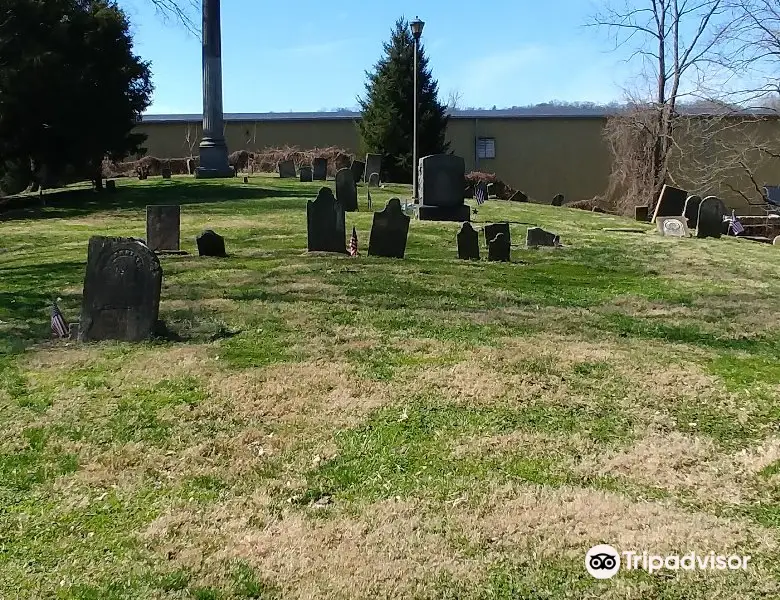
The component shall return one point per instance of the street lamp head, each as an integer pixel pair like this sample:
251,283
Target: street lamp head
417,27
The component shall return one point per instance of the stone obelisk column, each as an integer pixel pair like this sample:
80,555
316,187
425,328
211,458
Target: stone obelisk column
213,151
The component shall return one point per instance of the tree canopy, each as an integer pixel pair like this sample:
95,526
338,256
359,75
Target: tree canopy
71,89
388,107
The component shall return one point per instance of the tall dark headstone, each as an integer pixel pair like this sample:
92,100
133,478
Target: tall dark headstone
373,165
358,168
346,190
163,226
671,203
711,213
442,184
326,229
468,243
286,169
320,169
642,213
493,229
691,211
213,150
210,244
499,248
306,174
389,231
122,286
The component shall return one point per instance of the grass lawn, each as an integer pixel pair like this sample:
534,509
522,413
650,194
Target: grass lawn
334,427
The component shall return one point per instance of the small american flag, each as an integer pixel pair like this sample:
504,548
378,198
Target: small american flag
353,243
480,193
59,326
736,226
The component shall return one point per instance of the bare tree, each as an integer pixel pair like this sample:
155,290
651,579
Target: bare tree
182,11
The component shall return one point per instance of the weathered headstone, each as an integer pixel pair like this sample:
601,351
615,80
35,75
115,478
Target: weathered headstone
166,172
468,243
642,213
346,190
691,211
536,236
672,226
373,165
389,231
286,169
711,213
776,241
671,203
122,286
306,174
320,169
326,229
163,223
499,248
358,168
442,180
110,185
373,180
519,196
210,244
558,200
493,229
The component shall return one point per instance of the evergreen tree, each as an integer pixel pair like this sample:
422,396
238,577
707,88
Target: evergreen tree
388,109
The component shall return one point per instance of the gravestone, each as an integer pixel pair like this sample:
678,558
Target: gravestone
468,243
671,203
494,229
358,168
163,222
246,179
536,237
641,213
210,244
672,226
346,190
691,211
110,185
389,231
320,169
499,248
558,200
373,180
286,169
326,230
776,241
373,165
519,196
711,213
306,174
166,172
122,286
442,183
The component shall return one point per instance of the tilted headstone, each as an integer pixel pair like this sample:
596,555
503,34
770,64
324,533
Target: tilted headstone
122,286
306,174
558,200
671,202
499,248
358,168
163,225
286,169
691,211
373,165
389,231
642,213
468,243
672,226
536,237
320,169
442,180
519,196
346,190
210,244
373,180
166,173
494,229
326,229
711,213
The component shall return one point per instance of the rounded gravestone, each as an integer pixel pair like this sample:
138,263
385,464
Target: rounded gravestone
711,213
776,241
346,190
691,211
210,244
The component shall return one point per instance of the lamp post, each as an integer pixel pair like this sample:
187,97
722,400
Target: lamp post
417,29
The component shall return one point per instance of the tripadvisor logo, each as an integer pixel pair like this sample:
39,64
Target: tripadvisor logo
604,561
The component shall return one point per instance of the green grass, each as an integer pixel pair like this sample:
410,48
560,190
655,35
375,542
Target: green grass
190,466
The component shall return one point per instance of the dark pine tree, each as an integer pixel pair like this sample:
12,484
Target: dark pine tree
388,108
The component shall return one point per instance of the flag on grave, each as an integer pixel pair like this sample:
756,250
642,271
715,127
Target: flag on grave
353,243
59,326
735,226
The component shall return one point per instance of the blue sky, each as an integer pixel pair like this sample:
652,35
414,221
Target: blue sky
312,55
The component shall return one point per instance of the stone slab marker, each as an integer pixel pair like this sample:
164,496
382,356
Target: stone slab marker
671,203
536,237
358,168
373,165
163,227
499,248
494,229
711,213
306,174
642,213
346,190
389,231
326,229
468,243
286,169
691,211
210,244
121,291
672,226
320,169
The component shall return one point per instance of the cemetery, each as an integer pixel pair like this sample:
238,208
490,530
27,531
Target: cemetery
298,375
